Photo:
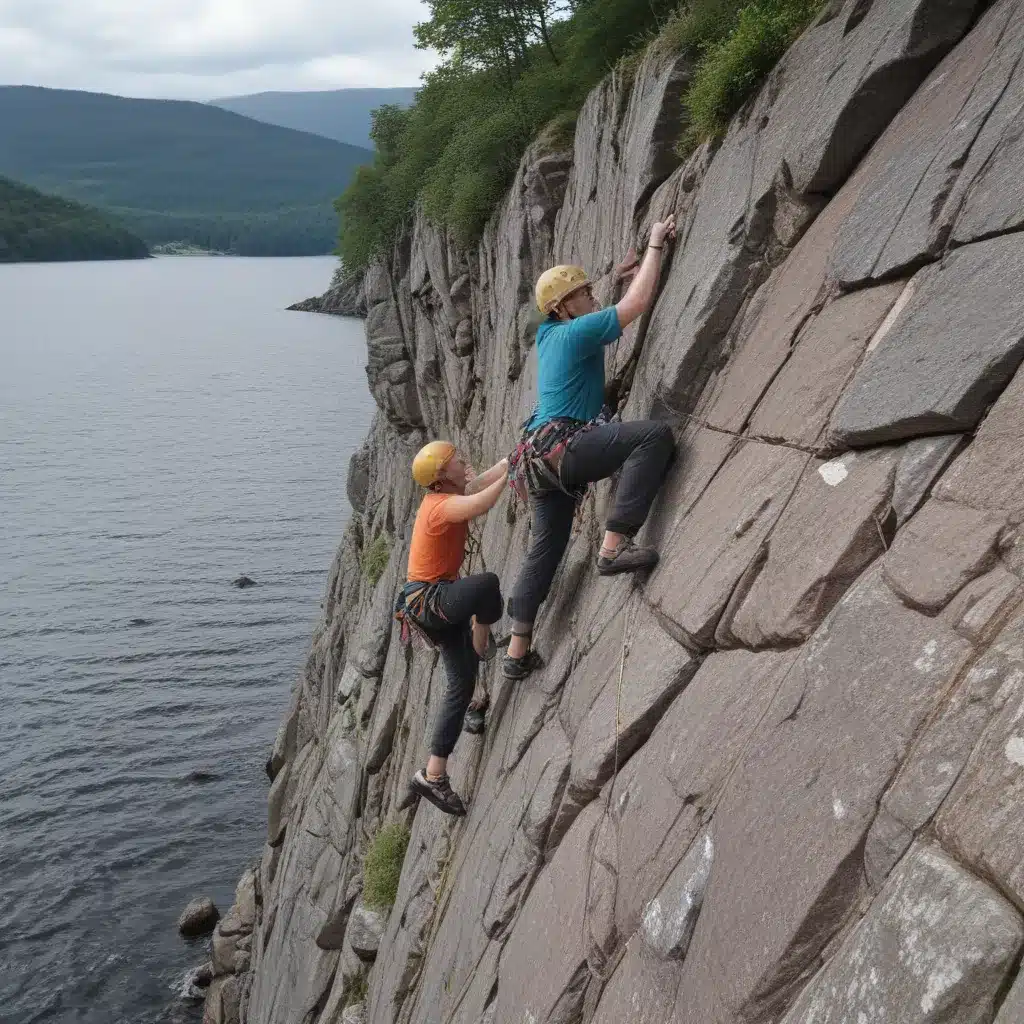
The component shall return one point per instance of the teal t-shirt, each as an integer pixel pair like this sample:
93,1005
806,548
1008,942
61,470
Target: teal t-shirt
570,366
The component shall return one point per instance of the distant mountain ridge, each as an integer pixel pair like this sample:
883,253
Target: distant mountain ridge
177,171
35,227
341,114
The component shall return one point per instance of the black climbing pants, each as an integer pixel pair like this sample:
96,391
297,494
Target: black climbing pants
643,449
458,602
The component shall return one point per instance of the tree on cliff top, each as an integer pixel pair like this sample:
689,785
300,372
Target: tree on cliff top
517,69
487,35
510,68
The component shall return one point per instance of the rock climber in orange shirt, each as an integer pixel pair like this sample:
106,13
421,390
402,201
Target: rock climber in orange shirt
455,614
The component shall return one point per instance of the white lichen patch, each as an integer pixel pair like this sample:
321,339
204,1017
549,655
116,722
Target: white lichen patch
834,472
1014,750
838,810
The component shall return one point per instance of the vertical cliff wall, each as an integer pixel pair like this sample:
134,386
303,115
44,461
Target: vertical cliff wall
781,779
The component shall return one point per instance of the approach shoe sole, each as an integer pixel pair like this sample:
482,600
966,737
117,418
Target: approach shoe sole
643,558
422,787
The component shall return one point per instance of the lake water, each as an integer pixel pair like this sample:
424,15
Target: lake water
165,426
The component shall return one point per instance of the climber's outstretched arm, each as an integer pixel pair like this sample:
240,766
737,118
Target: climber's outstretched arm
487,477
640,294
460,508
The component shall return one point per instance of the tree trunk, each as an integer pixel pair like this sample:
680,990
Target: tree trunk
544,31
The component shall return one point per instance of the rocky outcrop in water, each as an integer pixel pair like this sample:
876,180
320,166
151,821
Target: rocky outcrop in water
232,955
199,917
806,800
343,298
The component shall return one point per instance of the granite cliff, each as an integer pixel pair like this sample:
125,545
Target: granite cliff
781,779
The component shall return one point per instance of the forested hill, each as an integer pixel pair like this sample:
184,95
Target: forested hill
37,227
342,114
179,171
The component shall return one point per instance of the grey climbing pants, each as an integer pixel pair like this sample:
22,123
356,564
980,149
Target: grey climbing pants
642,449
458,602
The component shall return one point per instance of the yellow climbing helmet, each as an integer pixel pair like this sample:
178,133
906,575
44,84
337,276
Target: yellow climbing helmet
557,284
430,461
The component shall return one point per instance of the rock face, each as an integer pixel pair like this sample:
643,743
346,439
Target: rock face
780,779
936,946
365,928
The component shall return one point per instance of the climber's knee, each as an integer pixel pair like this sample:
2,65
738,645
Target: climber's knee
489,610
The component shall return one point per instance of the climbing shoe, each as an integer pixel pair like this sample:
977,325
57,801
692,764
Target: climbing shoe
627,558
520,668
439,792
473,723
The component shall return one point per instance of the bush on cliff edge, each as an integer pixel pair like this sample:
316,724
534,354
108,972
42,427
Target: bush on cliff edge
456,150
733,68
383,865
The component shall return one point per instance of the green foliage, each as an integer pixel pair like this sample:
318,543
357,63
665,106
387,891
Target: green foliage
307,231
513,71
734,67
491,34
375,558
516,70
382,867
34,226
179,172
695,27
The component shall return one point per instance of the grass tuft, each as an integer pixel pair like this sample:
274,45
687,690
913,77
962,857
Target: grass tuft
375,558
383,865
733,68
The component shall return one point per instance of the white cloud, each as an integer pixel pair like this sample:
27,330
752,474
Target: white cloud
199,49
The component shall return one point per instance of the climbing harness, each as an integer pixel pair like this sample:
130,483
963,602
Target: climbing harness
416,600
535,465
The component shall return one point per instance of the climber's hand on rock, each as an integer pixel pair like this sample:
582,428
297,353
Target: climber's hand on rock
663,229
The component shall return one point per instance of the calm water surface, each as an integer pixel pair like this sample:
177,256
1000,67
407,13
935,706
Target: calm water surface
165,426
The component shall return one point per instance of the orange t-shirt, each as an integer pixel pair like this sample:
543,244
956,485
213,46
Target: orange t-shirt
438,544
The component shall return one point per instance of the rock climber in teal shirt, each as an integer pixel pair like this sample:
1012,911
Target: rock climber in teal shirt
570,366
570,397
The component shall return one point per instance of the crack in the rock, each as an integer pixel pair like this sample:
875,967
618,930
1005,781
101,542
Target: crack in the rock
947,230
957,162
1015,229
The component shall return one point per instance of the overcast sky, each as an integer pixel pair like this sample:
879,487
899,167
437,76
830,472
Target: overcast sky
201,49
